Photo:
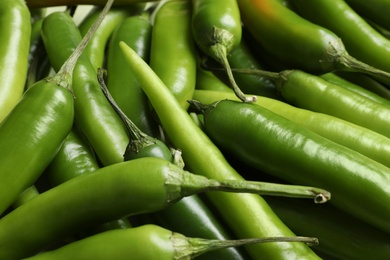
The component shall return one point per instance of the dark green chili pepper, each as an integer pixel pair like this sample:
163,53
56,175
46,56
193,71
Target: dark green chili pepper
298,42
149,242
375,10
36,128
172,51
15,30
187,214
367,142
114,192
314,93
217,30
280,147
360,39
96,118
248,215
341,235
121,83
193,217
95,50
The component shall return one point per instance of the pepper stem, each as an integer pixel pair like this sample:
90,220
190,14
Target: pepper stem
186,184
138,139
189,248
346,62
219,52
64,75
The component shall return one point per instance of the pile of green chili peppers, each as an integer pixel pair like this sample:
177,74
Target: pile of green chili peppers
182,129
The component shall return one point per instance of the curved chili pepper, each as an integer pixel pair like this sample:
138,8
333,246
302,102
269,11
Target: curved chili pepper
248,215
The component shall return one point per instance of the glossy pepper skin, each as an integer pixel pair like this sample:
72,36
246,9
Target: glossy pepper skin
145,242
94,115
221,14
286,35
189,215
217,30
121,82
108,194
74,159
15,30
248,215
95,50
311,92
360,39
375,10
193,217
161,243
112,192
299,43
263,140
363,140
172,51
33,131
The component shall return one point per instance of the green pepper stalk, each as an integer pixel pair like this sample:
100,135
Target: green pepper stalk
140,144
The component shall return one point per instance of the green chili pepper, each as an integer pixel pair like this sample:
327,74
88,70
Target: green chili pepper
241,57
187,214
39,65
95,50
113,192
151,242
75,158
28,194
291,152
96,118
314,93
355,137
15,30
341,235
120,80
217,30
172,51
206,79
361,40
336,79
193,217
35,129
365,81
248,215
298,42
375,10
